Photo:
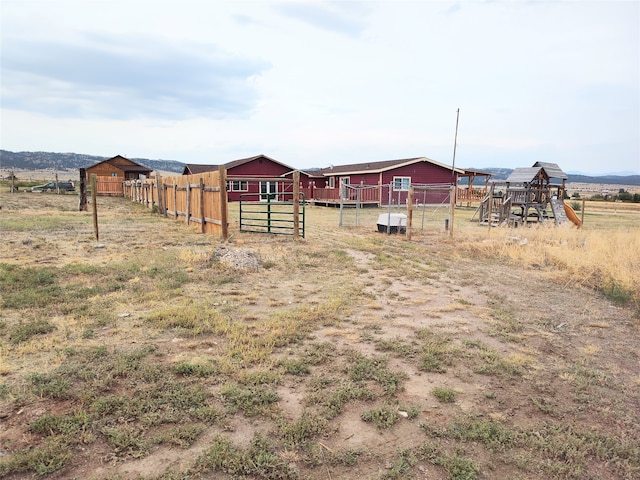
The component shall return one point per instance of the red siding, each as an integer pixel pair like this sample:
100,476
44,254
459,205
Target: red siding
260,167
420,173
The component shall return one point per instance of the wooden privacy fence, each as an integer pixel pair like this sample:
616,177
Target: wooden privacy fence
196,199
109,186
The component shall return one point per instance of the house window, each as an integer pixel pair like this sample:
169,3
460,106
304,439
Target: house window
401,183
332,182
238,186
114,174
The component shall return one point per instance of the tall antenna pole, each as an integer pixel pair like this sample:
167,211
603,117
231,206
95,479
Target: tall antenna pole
453,191
455,144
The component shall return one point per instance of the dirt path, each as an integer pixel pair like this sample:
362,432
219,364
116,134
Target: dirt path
512,345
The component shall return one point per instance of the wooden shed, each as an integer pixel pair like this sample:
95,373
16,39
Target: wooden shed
121,167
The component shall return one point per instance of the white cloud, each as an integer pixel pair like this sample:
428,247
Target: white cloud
315,83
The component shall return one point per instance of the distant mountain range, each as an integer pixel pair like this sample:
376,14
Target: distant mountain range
67,161
503,173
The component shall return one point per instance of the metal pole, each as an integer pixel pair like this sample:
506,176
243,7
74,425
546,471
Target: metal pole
455,144
389,210
357,207
296,204
341,207
94,188
424,207
268,212
453,209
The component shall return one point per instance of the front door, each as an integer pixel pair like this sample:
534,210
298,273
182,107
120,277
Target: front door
268,191
344,187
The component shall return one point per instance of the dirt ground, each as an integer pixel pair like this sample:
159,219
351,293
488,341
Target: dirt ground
577,353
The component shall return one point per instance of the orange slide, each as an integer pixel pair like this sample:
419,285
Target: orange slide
571,215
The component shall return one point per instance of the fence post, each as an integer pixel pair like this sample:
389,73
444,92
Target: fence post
409,212
159,193
82,202
203,222
222,178
188,213
175,200
296,204
94,187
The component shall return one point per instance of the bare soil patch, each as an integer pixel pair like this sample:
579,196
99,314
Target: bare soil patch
543,375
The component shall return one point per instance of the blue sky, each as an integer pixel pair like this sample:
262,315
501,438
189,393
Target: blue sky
318,83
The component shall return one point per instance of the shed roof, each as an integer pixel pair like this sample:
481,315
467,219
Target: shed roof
523,175
128,166
528,174
552,170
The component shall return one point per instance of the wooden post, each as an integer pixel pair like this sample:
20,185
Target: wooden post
82,195
409,212
203,222
94,194
57,185
175,200
453,209
296,204
159,193
188,202
222,178
164,200
490,212
582,214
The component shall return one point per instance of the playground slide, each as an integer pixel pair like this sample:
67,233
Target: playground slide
571,215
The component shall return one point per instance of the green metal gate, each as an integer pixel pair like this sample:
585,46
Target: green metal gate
271,215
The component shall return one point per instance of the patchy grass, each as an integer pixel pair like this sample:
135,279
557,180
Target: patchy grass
143,347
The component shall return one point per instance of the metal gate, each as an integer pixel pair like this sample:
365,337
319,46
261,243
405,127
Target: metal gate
273,214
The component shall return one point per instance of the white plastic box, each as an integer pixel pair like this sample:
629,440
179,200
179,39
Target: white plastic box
396,221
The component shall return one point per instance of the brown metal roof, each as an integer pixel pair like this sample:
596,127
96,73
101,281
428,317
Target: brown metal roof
134,168
377,167
195,168
242,161
125,167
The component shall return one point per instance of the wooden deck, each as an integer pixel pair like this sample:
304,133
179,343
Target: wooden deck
370,197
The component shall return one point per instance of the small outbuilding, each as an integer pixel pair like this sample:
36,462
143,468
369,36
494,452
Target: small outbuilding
120,167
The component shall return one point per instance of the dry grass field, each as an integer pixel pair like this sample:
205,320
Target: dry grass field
159,353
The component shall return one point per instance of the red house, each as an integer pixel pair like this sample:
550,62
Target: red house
394,175
261,176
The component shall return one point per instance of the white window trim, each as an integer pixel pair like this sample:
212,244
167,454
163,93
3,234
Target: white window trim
401,183
240,185
332,182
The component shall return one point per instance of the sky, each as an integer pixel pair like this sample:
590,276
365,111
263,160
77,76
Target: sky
314,84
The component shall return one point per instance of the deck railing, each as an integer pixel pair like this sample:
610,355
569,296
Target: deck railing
470,194
366,195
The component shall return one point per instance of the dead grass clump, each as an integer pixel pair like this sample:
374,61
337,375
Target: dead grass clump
605,260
